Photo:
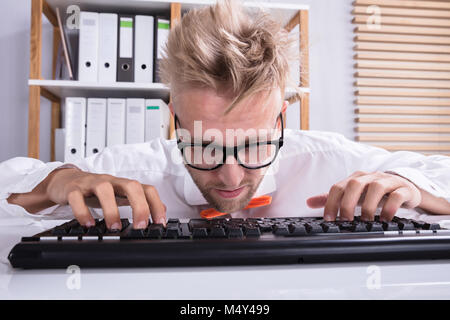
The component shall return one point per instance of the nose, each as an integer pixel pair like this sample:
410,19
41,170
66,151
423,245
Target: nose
231,173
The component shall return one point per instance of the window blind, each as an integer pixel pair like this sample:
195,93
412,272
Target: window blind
402,74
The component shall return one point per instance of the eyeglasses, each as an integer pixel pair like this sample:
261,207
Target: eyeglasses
210,156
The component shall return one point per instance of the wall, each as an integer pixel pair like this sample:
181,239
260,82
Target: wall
330,67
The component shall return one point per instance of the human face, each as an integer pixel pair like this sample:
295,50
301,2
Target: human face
230,187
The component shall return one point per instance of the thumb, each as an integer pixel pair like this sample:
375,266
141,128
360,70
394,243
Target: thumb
317,201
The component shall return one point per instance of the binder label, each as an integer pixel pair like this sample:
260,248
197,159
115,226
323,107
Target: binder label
126,37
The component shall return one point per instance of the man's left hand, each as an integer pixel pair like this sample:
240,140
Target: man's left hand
370,190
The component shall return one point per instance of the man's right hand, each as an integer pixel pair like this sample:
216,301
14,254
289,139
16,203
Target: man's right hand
81,189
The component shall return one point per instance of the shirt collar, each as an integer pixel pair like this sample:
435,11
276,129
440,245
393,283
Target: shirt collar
194,197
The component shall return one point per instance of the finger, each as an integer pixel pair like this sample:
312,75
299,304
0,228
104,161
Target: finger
395,200
157,207
79,208
333,202
352,194
335,196
375,192
134,191
104,192
317,201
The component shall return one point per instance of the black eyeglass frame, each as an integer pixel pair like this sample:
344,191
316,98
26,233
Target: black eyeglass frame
231,150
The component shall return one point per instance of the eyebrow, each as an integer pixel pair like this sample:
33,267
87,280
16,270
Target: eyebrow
246,141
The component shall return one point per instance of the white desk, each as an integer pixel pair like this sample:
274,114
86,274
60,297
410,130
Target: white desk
398,280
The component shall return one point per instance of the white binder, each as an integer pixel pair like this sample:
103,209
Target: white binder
115,123
135,129
107,48
157,119
95,126
75,124
88,47
161,36
143,49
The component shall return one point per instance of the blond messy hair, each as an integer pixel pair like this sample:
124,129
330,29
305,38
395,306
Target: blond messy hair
224,47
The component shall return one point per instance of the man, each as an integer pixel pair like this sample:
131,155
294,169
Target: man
227,72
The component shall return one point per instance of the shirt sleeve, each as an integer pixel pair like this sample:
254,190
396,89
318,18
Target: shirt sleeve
22,175
429,173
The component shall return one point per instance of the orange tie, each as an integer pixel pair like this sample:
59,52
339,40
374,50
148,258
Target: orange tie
254,203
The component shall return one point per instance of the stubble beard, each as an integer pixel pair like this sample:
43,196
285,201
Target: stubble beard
227,205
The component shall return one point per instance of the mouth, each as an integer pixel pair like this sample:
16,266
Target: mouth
229,194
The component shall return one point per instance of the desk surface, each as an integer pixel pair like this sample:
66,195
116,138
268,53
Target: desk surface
397,280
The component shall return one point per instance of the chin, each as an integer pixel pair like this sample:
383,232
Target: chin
230,206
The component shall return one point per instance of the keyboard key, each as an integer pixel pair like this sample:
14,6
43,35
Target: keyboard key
217,232
93,231
185,233
313,228
329,227
281,230
252,231
358,227
297,230
432,226
235,232
265,227
59,231
199,223
155,230
77,231
135,233
406,225
200,233
172,231
374,226
125,223
390,226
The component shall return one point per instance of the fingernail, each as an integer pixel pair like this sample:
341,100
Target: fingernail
90,223
327,217
161,221
141,225
115,226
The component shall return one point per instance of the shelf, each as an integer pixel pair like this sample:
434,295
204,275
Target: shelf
281,11
70,88
289,15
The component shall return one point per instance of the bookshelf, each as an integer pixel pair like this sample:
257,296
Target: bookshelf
290,15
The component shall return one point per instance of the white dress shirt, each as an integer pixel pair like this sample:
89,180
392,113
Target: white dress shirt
308,164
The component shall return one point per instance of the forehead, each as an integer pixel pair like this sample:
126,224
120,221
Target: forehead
258,111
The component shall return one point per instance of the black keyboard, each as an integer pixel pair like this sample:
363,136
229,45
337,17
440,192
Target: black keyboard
201,242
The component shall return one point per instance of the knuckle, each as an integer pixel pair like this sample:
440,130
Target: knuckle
359,173
380,173
73,194
354,183
103,176
150,189
337,188
376,185
133,185
102,186
396,196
